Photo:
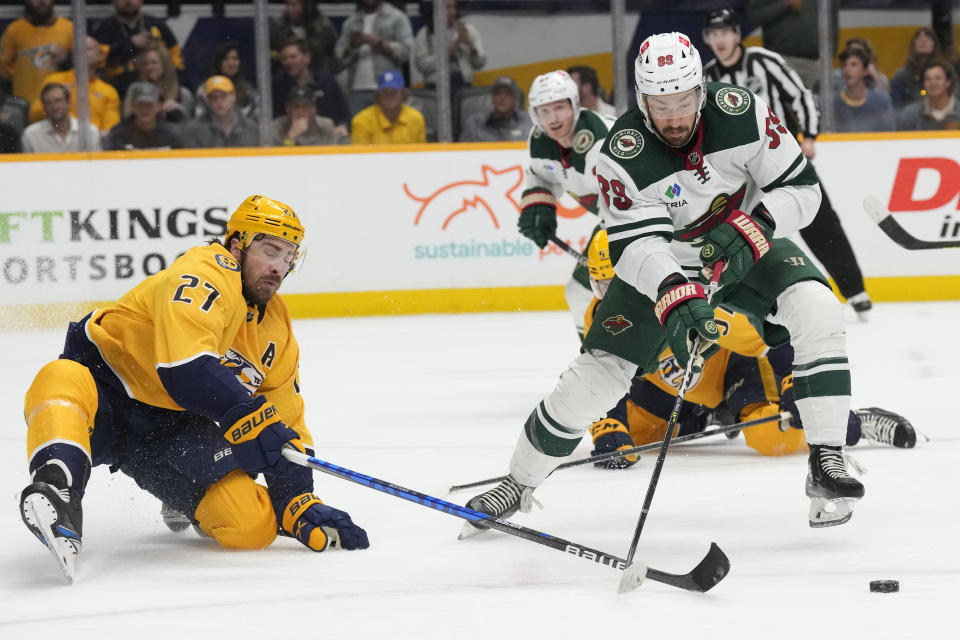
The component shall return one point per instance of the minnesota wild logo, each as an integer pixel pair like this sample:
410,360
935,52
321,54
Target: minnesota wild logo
733,100
583,140
617,324
626,143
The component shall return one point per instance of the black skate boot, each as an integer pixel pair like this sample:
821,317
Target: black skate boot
174,520
502,501
52,512
832,491
886,427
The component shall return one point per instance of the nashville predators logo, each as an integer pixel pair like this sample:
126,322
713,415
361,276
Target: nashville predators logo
721,207
671,372
733,100
616,324
227,262
246,372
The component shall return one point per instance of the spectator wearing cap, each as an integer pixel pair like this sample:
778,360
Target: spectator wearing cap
464,48
104,101
328,97
302,126
589,89
938,108
176,101
378,37
142,128
223,125
388,120
857,107
226,62
59,132
506,121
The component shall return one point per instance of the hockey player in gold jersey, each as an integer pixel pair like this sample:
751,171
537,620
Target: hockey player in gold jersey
744,381
188,384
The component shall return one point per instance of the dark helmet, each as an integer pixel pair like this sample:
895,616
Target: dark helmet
719,18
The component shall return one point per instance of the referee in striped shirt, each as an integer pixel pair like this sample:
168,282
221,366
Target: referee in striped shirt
765,73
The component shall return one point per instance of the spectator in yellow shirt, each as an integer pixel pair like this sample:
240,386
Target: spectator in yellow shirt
388,120
31,47
104,101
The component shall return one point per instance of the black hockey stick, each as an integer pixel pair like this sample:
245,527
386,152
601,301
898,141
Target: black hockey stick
711,569
582,259
884,219
600,457
633,574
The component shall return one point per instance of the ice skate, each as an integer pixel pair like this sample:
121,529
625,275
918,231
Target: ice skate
502,501
886,427
832,491
861,303
52,512
174,520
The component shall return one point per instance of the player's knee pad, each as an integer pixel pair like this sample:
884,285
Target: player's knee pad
592,384
60,407
814,317
767,439
237,513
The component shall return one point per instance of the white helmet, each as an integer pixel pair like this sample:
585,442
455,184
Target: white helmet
550,87
667,64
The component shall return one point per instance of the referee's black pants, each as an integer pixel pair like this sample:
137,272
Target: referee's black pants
829,243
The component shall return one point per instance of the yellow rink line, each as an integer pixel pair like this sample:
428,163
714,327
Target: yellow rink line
385,303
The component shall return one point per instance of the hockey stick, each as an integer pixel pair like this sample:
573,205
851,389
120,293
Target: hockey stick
711,569
884,219
633,574
581,259
600,457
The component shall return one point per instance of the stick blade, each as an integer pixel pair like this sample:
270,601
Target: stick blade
712,569
632,577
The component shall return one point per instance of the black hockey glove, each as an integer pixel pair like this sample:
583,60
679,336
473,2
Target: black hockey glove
319,526
684,312
538,215
740,241
610,434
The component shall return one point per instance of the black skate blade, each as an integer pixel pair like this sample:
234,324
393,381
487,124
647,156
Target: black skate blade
712,569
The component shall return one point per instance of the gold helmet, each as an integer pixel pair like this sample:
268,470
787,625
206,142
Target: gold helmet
598,257
260,214
599,263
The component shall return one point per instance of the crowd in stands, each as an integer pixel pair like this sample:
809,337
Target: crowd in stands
346,87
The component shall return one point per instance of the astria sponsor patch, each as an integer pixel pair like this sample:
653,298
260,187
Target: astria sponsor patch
617,324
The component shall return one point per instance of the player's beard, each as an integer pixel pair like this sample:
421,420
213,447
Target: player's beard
36,17
256,294
677,136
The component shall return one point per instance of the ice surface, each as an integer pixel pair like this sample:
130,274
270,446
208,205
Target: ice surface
430,401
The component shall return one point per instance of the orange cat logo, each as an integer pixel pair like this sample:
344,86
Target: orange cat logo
496,193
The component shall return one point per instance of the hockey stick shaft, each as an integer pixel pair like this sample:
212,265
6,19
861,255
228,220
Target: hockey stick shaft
691,582
884,219
672,422
582,259
600,457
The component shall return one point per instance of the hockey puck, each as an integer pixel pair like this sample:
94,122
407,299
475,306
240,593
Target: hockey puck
884,586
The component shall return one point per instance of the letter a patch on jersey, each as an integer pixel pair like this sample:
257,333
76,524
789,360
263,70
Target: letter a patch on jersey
617,324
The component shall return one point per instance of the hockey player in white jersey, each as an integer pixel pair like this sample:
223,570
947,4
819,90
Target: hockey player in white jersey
564,146
695,174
